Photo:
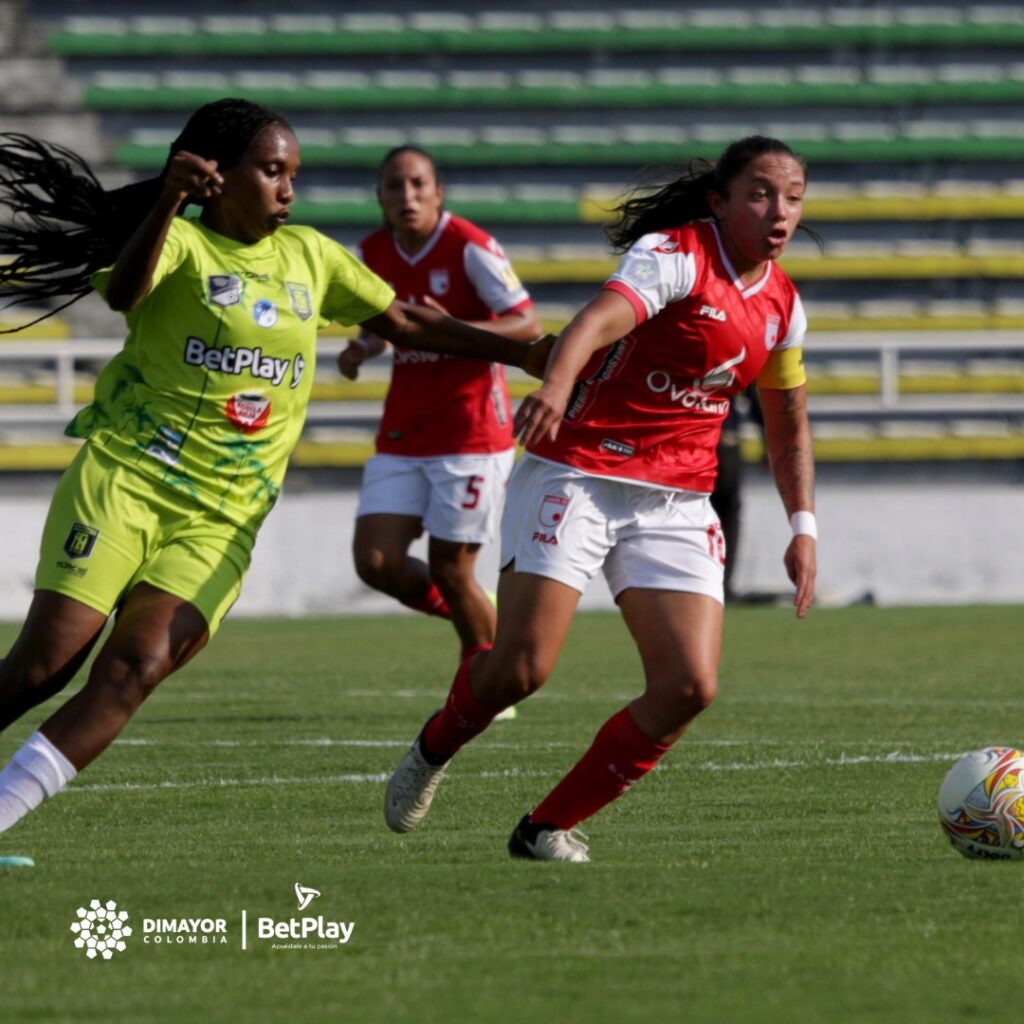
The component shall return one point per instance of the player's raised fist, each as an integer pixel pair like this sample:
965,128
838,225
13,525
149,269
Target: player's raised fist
191,175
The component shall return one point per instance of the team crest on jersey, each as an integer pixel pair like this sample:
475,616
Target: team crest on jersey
225,289
552,509
81,540
249,411
771,331
302,303
439,281
264,313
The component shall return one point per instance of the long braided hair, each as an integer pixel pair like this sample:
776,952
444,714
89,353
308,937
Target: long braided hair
686,198
62,226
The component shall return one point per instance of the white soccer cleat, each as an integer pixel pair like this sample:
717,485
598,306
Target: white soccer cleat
411,789
545,842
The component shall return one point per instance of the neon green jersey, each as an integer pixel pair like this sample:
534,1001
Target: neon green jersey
209,393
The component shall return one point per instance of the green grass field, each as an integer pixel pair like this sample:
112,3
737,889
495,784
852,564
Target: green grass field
784,865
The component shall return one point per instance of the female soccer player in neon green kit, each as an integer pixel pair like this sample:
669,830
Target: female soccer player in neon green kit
192,424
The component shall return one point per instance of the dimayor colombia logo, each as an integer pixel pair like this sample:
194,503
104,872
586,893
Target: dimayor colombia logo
101,929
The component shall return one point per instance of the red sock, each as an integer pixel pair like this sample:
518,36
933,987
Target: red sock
431,603
461,718
619,756
468,652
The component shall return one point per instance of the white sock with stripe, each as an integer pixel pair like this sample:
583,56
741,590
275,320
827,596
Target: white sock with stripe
37,771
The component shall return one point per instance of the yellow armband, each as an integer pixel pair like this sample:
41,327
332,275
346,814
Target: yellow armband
784,370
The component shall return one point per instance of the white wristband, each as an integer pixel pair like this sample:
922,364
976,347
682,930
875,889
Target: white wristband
804,522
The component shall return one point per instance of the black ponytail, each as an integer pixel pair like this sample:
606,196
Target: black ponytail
686,198
61,226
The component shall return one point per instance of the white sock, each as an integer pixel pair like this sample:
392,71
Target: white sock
37,771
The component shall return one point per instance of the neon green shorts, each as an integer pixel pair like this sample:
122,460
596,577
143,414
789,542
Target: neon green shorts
110,527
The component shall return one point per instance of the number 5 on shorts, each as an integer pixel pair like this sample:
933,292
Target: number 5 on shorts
473,491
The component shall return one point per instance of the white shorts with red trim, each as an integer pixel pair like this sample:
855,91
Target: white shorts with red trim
458,497
566,525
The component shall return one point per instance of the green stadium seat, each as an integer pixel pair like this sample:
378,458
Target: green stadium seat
523,32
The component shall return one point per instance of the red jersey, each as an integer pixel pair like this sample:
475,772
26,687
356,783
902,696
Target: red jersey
439,404
650,407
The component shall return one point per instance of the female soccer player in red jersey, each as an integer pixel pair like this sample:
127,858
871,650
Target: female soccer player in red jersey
445,474
620,462
190,430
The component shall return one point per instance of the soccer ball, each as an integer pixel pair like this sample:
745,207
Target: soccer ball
981,804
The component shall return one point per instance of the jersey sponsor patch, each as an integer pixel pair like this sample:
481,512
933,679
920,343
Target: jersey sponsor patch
81,540
552,509
225,289
302,302
618,447
249,411
238,360
166,445
721,376
264,313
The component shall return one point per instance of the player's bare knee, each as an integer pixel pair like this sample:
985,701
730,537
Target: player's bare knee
696,692
128,679
373,567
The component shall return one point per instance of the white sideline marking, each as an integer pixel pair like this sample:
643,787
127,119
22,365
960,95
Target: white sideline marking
324,741
842,761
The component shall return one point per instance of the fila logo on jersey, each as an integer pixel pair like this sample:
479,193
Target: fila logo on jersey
237,360
715,314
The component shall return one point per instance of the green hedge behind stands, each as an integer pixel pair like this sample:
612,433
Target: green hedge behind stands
615,38
583,94
479,153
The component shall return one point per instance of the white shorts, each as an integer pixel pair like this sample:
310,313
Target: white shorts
565,525
458,497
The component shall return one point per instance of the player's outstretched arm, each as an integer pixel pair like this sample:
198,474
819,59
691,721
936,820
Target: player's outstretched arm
601,322
791,456
132,273
426,329
523,325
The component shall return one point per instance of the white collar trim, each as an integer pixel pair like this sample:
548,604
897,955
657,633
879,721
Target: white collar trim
747,291
424,251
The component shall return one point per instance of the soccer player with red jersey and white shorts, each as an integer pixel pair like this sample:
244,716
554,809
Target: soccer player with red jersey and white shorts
445,445
620,464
